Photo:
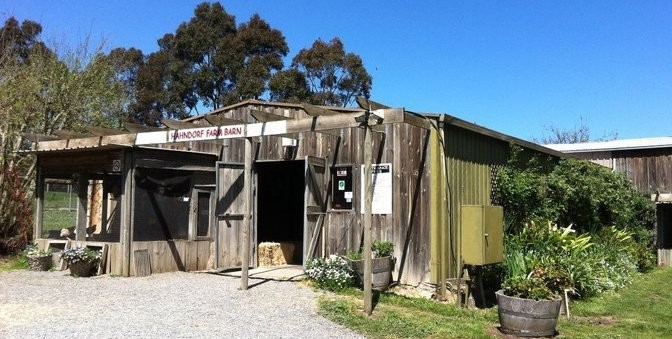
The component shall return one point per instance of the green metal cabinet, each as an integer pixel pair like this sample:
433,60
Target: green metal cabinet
482,234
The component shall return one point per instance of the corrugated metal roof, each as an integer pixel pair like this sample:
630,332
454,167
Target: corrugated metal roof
614,145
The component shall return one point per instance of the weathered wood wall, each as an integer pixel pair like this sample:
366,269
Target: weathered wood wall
649,170
405,146
176,255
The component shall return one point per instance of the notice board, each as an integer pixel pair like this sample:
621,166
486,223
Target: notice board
381,175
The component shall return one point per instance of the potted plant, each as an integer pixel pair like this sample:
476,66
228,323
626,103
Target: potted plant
381,266
38,260
529,304
83,262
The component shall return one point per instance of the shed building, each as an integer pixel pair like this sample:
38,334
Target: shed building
179,192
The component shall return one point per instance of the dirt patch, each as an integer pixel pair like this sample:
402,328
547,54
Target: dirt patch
603,320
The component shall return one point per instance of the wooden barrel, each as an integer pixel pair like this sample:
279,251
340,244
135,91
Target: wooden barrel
381,272
527,317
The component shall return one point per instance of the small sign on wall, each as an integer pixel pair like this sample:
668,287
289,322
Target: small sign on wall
116,165
381,182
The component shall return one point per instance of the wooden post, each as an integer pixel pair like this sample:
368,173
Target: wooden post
246,218
368,196
126,229
39,204
82,207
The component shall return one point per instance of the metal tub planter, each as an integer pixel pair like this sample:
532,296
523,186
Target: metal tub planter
527,317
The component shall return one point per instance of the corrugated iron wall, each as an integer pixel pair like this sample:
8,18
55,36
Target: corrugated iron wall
470,159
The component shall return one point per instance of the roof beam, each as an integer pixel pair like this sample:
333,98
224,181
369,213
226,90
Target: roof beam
66,134
262,116
317,111
217,120
367,104
101,131
136,128
175,124
35,137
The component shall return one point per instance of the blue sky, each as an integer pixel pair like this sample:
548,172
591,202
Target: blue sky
514,66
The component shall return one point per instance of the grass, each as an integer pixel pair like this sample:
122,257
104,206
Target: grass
401,317
60,210
641,310
10,263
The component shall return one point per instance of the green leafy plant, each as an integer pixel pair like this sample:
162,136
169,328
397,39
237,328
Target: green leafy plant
382,249
354,255
379,249
332,273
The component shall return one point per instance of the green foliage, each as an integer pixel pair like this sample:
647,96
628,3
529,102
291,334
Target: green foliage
333,273
42,90
382,249
333,76
571,191
589,265
536,260
15,219
355,255
574,192
379,249
208,61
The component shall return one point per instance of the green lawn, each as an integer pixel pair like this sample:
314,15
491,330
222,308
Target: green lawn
60,210
641,310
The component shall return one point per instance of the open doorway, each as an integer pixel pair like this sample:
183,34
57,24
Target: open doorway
664,234
280,205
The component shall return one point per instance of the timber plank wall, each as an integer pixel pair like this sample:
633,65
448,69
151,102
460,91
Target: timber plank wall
403,145
650,170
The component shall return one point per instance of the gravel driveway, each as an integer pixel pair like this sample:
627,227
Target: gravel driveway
168,305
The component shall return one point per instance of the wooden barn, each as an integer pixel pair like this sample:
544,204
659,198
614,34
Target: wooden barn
647,162
205,192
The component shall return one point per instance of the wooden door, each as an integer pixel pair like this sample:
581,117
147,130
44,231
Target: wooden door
230,211
315,208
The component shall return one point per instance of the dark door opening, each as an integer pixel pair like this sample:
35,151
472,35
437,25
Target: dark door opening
280,203
664,215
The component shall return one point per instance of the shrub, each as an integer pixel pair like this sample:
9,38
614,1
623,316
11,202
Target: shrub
570,191
331,273
76,254
593,264
15,212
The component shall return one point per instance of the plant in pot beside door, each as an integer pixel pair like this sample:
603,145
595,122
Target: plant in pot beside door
38,260
83,261
381,266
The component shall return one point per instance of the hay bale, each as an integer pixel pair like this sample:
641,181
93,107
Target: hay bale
275,254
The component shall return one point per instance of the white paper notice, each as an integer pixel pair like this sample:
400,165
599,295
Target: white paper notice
382,189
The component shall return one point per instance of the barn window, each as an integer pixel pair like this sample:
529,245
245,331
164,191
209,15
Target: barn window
341,188
162,200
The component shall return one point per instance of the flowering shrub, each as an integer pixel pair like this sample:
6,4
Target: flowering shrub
77,254
33,251
331,273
